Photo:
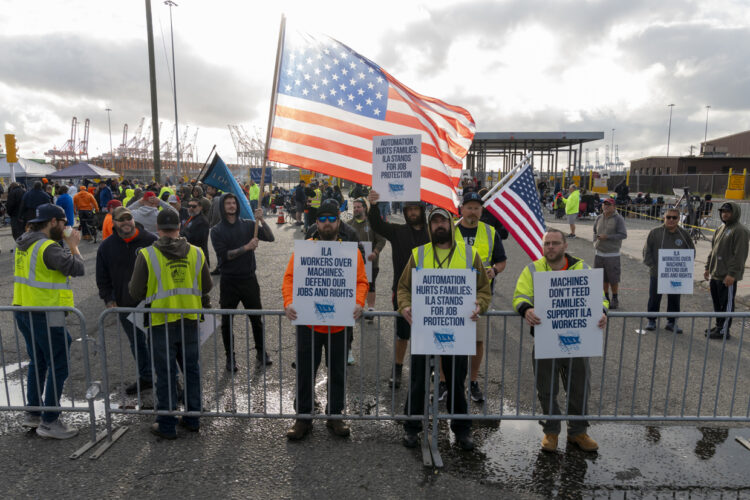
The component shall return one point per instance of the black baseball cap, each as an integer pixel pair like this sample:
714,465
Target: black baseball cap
167,220
48,211
472,196
328,207
726,207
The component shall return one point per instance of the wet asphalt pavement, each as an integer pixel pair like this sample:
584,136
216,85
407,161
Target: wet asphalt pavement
239,458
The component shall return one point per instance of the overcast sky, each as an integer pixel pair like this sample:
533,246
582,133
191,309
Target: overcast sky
516,65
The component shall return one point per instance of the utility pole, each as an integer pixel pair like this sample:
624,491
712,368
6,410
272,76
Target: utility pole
705,134
669,130
171,4
154,103
111,152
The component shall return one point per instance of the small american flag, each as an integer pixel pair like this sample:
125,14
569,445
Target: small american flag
331,102
517,206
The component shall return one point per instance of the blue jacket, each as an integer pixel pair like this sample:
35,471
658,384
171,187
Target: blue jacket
65,201
105,196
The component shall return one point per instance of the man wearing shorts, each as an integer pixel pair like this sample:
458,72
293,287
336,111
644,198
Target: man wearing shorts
609,231
572,205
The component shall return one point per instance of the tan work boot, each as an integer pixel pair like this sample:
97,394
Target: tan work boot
549,442
299,430
584,442
338,427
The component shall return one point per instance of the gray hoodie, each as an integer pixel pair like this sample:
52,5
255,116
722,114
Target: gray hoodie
614,227
55,256
729,248
146,214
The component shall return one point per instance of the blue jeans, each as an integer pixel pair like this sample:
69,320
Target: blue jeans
47,350
138,346
166,341
254,205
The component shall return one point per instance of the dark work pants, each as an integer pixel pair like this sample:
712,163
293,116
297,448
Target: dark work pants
654,299
456,400
548,374
723,297
138,341
232,291
310,346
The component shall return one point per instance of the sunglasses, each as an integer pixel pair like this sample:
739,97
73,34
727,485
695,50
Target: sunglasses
328,218
671,217
124,218
192,206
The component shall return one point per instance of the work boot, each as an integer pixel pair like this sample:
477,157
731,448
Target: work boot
339,427
299,430
465,441
395,380
671,327
133,388
232,364
650,326
615,303
718,335
584,442
156,431
263,358
549,442
410,439
190,427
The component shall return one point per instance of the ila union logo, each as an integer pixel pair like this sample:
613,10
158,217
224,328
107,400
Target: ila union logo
569,342
325,310
445,340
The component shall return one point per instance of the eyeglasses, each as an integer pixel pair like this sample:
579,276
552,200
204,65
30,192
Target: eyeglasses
671,216
192,206
124,218
328,218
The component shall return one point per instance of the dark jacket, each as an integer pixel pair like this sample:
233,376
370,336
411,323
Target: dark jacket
226,237
13,204
729,248
196,230
115,261
30,201
659,238
403,238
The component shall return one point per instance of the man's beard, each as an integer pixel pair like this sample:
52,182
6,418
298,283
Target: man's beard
441,235
414,220
56,233
328,234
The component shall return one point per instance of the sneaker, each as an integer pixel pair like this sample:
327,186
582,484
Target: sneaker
339,427
410,439
350,358
156,431
584,442
614,303
299,430
571,235
650,326
232,365
31,421
189,427
133,388
442,391
370,319
395,380
263,358
56,430
549,442
710,331
465,441
671,327
476,392
717,335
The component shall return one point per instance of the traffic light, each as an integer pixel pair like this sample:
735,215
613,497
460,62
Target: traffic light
11,149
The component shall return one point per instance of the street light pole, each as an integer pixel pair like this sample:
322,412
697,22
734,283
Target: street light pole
612,151
111,152
171,4
705,134
669,131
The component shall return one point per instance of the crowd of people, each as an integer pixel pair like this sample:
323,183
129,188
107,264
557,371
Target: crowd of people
155,253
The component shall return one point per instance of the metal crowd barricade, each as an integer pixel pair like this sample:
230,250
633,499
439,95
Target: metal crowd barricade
76,396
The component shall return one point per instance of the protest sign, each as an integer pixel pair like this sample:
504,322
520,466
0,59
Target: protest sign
368,263
570,304
442,303
676,271
397,166
325,281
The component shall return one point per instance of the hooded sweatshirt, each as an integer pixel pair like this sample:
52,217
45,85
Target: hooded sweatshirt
55,256
660,238
729,248
226,236
146,214
173,249
403,238
484,293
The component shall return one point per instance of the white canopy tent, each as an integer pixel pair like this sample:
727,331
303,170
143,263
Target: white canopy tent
26,168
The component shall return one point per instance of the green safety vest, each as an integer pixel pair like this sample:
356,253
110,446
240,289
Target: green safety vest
462,257
173,283
315,202
37,285
484,241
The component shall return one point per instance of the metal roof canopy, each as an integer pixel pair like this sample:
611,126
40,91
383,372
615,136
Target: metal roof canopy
512,146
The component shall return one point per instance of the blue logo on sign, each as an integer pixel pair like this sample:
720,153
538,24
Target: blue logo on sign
325,310
444,340
676,284
396,188
569,342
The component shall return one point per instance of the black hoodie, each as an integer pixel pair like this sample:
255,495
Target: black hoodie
227,236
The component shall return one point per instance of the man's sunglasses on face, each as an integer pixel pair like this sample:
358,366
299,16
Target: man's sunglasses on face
329,218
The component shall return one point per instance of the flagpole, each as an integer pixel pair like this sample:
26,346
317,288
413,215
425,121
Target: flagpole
205,163
271,113
506,177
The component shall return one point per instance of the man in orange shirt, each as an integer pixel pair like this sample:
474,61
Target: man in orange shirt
311,339
86,205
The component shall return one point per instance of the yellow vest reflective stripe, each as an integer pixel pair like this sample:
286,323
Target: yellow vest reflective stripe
462,257
37,285
315,202
173,283
484,242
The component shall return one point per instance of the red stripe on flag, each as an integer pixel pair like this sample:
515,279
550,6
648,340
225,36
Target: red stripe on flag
497,211
531,221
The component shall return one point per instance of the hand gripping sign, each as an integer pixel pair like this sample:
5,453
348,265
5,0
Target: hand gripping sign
570,305
325,281
397,167
442,303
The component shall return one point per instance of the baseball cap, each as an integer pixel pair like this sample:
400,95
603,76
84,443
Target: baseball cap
118,212
111,204
48,211
472,196
438,211
725,206
609,201
329,207
167,219
148,194
173,199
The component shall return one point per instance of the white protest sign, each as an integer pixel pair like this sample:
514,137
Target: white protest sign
325,282
442,301
570,304
676,271
397,167
367,245
206,327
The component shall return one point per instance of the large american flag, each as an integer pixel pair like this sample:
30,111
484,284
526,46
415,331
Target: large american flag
517,206
331,102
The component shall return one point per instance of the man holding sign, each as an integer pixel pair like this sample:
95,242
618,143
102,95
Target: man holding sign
573,371
325,286
443,252
667,236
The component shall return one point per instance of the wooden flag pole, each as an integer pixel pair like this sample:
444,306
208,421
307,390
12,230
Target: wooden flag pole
200,174
271,114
